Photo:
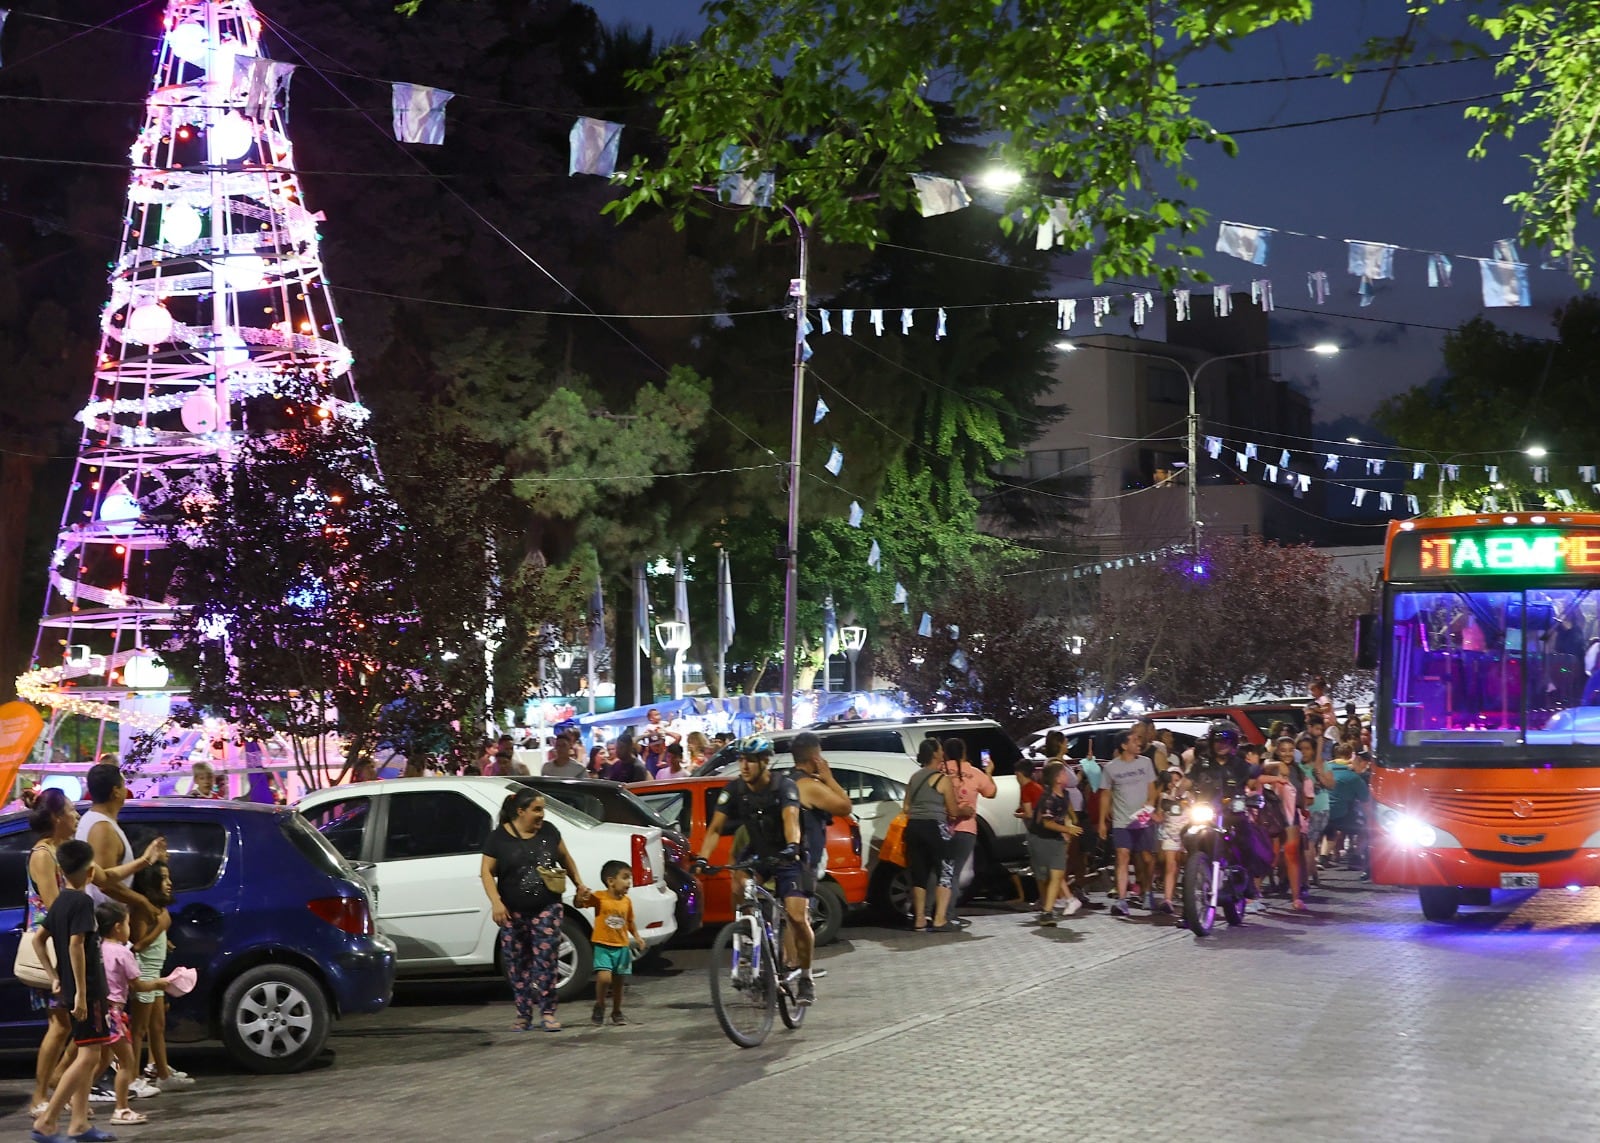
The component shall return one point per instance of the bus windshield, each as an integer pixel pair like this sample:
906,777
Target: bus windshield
1494,668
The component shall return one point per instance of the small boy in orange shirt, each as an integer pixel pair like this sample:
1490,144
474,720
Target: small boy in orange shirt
615,937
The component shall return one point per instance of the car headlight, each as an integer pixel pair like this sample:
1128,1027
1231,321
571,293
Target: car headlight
1202,813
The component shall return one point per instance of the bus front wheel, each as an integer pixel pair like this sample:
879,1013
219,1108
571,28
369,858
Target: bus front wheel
1439,903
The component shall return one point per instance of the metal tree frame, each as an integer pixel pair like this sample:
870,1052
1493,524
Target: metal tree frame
217,295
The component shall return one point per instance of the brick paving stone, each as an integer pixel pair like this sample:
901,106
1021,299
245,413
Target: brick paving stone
1358,1021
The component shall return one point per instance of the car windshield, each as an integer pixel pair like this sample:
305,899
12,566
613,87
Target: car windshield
1481,669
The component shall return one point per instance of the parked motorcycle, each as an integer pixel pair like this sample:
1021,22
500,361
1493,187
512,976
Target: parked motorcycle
1223,849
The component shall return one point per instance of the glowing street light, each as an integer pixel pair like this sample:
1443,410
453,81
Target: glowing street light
1537,452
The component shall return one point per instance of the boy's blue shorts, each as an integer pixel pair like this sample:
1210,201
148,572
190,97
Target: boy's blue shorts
613,959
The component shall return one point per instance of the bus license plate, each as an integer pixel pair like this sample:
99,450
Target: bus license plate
1519,881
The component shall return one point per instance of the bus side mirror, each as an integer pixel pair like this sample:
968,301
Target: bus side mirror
1367,642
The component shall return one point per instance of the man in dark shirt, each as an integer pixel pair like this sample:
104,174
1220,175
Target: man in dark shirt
1220,769
768,806
81,983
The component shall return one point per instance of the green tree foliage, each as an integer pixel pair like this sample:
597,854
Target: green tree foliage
844,101
994,649
312,607
1504,392
1257,617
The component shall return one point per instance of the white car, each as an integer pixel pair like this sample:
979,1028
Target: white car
419,842
1098,739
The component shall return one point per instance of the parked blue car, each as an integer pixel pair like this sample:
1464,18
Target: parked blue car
277,926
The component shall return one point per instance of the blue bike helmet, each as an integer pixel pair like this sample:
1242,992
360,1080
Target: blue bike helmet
754,746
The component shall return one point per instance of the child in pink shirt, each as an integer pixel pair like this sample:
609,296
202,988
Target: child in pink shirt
122,977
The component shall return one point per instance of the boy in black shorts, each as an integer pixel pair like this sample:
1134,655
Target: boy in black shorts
80,981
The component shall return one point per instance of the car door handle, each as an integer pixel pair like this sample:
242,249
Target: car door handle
198,915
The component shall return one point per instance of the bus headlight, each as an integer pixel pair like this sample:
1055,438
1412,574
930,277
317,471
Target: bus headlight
1405,829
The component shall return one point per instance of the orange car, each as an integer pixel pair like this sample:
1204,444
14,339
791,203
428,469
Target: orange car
690,802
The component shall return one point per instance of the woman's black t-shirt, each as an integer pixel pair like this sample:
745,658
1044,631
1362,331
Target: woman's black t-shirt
515,859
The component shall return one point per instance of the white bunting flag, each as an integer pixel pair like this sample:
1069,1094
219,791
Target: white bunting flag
1411,503
1303,481
1452,471
1214,447
1317,286
1261,294
1066,312
901,597
1142,301
1494,472
1222,300
1374,468
1417,470
1438,271
1102,308
4,12
937,195
1361,494
939,329
419,113
1243,461
1053,230
1248,243
849,323
835,461
874,556
736,186
905,322
1332,464
1505,283
1283,460
1272,474
263,83
856,514
1586,473
1565,496
876,318
1541,473
1250,450
925,628
593,147
1385,501
819,412
1180,304
827,322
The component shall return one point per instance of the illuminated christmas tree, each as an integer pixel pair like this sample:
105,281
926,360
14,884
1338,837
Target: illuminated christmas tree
218,311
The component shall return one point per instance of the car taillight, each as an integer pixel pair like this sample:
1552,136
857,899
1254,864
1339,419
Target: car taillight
347,914
642,874
855,836
675,851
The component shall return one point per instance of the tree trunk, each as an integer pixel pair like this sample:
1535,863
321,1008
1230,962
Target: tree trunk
17,470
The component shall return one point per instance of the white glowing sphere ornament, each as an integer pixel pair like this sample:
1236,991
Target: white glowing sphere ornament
148,324
180,224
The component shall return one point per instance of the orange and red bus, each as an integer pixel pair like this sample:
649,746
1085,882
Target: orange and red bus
1487,724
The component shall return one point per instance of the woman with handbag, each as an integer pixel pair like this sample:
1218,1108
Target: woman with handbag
524,872
54,819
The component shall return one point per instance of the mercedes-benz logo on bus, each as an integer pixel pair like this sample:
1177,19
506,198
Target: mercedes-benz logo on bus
1522,808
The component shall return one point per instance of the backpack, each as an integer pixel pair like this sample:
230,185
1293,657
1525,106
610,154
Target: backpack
1036,818
1272,817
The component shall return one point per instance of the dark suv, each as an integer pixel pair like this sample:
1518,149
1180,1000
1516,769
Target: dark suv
276,925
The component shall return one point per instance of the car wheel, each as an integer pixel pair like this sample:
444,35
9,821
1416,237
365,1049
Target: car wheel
891,893
275,1019
828,908
574,961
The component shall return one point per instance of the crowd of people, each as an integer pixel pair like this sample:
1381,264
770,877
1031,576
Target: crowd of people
1125,815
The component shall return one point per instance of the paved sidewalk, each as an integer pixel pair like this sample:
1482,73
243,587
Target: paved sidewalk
1357,1021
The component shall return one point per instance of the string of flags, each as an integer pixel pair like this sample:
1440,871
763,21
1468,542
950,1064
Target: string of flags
1121,562
1503,276
1277,467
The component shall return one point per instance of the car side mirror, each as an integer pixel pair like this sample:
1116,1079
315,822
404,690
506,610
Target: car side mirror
1367,642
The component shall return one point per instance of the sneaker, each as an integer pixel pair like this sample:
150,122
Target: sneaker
806,993
175,1080
598,1017
1071,907
100,1094
1047,919
149,1072
1119,908
1164,908
142,1088
618,1019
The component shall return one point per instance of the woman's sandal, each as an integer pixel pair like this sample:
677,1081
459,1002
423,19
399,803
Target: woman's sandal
521,1025
549,1023
128,1115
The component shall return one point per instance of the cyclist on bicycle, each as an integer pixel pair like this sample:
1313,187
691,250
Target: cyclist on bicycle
768,806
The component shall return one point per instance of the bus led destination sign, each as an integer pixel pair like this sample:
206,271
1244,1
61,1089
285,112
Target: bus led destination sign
1498,552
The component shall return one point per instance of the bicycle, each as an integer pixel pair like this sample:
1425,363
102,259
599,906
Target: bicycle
749,976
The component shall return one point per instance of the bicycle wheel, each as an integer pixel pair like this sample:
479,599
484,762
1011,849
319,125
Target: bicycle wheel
744,986
789,1006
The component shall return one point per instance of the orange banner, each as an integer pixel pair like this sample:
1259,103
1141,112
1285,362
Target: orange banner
20,726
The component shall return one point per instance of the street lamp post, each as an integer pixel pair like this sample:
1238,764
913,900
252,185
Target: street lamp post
852,639
1192,377
791,545
674,636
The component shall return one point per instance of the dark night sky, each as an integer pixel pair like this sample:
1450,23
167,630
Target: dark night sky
1405,179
